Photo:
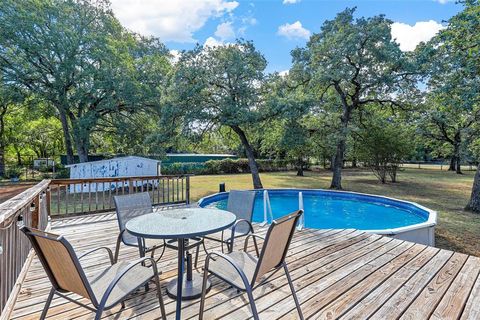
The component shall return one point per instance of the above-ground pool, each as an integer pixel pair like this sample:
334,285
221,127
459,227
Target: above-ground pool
326,209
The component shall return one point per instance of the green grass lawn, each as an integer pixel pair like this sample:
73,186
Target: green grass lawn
445,192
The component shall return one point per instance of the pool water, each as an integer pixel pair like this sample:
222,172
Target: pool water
326,210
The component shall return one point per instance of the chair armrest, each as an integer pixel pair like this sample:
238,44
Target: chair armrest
122,273
231,262
252,235
110,254
241,221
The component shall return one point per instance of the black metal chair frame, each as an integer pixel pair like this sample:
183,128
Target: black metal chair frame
229,242
99,306
250,285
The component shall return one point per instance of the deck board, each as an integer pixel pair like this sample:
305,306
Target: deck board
345,274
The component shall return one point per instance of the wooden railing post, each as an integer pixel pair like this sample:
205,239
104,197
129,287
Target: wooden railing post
48,198
36,211
187,190
130,186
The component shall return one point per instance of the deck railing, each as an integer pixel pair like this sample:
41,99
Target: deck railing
78,196
65,197
32,205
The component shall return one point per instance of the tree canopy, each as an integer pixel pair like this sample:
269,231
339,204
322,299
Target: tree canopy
75,81
351,63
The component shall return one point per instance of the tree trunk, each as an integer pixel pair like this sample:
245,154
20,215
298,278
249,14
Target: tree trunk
300,167
257,183
337,165
340,153
82,150
458,168
66,136
19,157
81,137
453,162
458,141
2,140
2,160
354,162
474,203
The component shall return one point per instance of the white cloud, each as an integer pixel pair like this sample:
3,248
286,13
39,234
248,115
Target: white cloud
294,30
175,56
212,42
225,31
290,1
249,20
410,36
284,73
444,1
170,20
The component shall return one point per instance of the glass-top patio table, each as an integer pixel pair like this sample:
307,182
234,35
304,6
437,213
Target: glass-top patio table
181,224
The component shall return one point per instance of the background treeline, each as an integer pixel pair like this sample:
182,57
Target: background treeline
75,81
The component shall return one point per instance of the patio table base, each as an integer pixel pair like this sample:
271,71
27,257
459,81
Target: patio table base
191,289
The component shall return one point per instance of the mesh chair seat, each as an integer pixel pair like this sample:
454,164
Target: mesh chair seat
222,269
135,278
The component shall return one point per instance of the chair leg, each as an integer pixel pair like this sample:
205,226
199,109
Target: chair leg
159,291
223,251
141,252
163,250
196,256
252,303
47,304
117,248
292,288
204,288
204,247
98,314
256,246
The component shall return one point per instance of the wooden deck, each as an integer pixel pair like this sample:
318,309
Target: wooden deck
343,274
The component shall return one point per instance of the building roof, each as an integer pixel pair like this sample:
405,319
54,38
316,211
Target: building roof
112,159
199,155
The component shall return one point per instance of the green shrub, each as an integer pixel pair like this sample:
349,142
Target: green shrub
212,167
13,172
225,166
183,168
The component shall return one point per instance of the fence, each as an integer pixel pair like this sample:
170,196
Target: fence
436,165
75,196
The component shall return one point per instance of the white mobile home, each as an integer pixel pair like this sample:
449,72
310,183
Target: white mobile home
116,167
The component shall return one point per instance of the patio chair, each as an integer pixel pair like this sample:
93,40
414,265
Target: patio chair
241,204
245,272
105,289
133,205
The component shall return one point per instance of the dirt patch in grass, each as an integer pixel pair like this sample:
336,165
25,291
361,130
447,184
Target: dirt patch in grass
445,192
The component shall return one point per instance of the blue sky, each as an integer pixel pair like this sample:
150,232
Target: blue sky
275,26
